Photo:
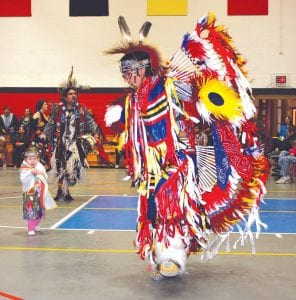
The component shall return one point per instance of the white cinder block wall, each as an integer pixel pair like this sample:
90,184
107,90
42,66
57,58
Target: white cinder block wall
39,51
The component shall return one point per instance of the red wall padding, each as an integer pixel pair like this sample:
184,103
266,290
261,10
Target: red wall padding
15,8
247,7
96,101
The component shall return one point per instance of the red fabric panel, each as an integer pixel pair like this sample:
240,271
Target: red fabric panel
15,8
247,7
96,101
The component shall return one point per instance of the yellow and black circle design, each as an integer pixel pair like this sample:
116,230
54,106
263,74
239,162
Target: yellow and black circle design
221,101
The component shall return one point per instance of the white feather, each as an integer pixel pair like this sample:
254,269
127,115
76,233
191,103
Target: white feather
113,114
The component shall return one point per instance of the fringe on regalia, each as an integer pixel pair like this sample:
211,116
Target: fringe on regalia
74,163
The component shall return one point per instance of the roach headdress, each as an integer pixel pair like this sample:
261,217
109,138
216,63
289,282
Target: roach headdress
70,83
136,54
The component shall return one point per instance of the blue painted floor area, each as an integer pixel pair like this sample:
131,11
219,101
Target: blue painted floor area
105,213
102,220
279,205
279,222
113,202
279,215
120,213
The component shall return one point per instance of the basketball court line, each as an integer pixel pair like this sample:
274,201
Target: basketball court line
72,213
110,212
91,231
128,203
121,251
114,207
20,196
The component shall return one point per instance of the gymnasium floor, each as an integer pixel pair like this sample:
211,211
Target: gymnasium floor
85,249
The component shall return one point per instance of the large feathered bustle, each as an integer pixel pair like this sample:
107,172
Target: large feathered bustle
209,49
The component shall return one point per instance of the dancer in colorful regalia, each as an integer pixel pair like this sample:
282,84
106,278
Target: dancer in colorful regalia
36,197
190,197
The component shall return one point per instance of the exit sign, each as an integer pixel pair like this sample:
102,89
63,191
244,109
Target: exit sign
281,80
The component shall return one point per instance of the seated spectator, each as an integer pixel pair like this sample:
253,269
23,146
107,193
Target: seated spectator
8,122
3,151
278,143
20,142
284,128
27,121
285,144
286,159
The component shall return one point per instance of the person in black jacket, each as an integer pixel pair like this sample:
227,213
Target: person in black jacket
9,123
20,142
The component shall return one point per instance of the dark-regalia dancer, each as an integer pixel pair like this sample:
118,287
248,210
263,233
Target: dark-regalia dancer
190,198
72,127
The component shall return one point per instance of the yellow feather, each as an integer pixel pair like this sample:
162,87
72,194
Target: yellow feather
230,106
211,18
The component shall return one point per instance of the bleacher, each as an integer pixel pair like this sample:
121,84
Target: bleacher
93,157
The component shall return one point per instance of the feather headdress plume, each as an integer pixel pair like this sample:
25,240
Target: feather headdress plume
130,45
124,29
143,33
71,82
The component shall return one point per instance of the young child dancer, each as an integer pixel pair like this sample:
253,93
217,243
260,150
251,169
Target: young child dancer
36,197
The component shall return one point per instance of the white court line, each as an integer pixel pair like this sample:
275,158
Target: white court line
14,197
126,230
94,230
90,231
21,197
279,199
13,227
72,213
124,195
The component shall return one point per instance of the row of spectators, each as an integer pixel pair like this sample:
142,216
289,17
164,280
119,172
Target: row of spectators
26,131
282,152
23,132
